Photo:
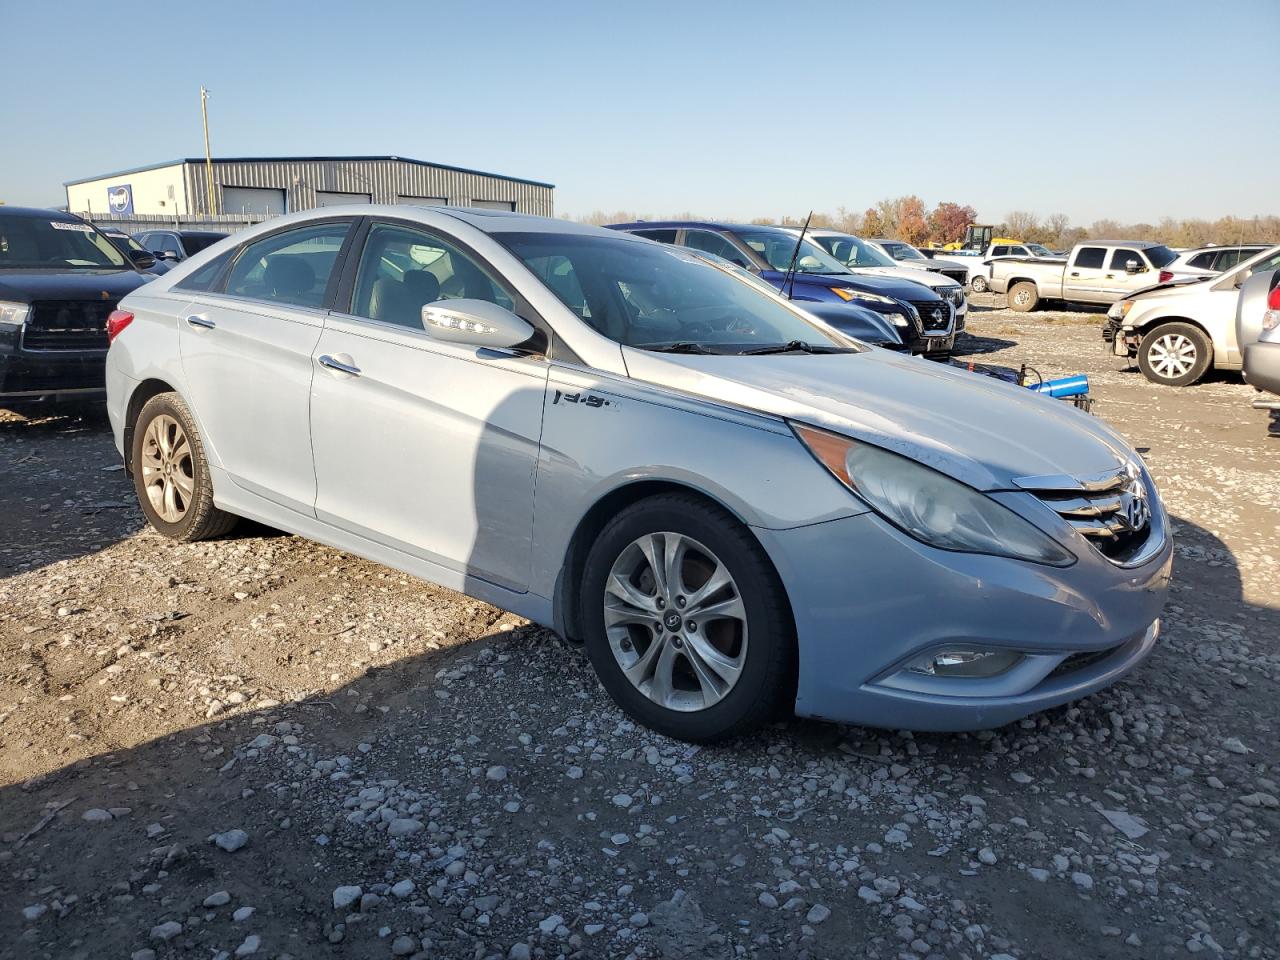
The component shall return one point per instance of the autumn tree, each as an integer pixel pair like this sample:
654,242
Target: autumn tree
947,222
872,224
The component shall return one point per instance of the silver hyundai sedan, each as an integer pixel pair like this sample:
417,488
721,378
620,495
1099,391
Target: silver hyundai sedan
736,509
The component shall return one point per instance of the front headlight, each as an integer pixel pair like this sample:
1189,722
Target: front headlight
1120,309
928,505
14,314
847,294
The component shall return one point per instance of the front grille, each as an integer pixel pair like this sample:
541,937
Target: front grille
1114,513
935,315
67,325
956,297
959,276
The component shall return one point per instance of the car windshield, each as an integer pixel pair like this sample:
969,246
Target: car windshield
852,252
662,298
126,242
776,248
1039,251
902,251
1160,256
36,242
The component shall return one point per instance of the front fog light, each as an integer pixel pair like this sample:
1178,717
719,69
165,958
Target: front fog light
969,663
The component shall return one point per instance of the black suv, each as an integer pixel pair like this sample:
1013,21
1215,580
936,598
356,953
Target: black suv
60,277
176,245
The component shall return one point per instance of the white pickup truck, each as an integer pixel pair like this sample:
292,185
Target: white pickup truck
1097,271
980,267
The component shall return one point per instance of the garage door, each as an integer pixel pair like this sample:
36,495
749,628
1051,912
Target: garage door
423,201
252,200
331,199
494,204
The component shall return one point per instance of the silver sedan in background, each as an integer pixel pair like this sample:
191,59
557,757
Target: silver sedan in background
737,509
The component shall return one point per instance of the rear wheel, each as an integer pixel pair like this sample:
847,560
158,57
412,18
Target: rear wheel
1023,296
171,474
1175,354
686,623
978,284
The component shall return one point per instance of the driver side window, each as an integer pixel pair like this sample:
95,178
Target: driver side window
709,242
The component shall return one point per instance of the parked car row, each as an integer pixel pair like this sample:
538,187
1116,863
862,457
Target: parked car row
662,456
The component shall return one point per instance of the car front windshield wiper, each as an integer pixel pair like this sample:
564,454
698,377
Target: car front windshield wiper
793,346
679,346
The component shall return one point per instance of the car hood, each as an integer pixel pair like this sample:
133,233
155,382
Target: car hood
976,429
26,286
1172,288
930,278
885,286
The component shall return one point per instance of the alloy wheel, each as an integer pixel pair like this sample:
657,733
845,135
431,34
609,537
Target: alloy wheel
675,621
1172,355
168,470
1022,298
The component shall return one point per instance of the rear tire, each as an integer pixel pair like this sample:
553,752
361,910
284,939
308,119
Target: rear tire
978,285
1175,354
171,472
701,680
1023,296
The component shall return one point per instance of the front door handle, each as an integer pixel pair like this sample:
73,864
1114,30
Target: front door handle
1075,274
348,368
198,321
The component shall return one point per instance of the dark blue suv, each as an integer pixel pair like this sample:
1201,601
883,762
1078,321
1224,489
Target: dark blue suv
925,320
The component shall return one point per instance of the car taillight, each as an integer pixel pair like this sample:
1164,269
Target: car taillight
1165,276
117,320
1273,299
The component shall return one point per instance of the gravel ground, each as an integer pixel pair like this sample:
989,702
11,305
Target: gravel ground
264,747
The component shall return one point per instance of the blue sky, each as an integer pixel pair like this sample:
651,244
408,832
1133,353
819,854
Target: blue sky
734,109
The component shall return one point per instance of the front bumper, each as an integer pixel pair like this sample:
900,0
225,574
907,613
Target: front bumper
867,600
61,374
1262,366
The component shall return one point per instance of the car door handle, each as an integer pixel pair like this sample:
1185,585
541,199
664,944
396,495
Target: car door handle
327,361
1075,274
198,321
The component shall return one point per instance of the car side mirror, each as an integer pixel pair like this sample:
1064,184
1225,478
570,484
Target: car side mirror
1132,266
165,255
477,323
142,259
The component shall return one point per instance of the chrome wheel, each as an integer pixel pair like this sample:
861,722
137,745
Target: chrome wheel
1022,298
1172,356
675,621
978,284
168,470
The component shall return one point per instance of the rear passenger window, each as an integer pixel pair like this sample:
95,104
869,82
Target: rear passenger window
291,267
661,236
999,251
1202,261
206,277
1121,256
1091,258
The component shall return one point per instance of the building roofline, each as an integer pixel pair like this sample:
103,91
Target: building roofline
201,160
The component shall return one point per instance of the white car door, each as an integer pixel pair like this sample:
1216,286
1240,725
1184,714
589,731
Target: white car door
426,447
246,355
1082,278
1118,282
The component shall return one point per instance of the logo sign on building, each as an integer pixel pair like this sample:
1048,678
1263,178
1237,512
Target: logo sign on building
120,199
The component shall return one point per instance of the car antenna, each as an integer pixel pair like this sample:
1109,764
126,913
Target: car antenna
795,255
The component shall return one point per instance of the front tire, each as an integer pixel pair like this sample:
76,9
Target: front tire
978,285
1023,296
685,620
1175,354
171,473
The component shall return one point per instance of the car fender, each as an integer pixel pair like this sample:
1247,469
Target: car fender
602,434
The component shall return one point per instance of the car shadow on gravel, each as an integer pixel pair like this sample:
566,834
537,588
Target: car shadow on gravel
484,732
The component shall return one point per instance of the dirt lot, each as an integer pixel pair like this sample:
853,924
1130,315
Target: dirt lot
264,747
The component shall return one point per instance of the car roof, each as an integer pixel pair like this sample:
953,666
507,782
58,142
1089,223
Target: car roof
1132,244
690,224
1215,247
191,233
41,213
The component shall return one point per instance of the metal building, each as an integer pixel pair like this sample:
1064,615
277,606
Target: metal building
250,189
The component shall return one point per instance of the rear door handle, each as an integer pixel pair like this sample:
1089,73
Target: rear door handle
1075,274
327,361
198,321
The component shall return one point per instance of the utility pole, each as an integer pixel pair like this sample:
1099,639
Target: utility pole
208,158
